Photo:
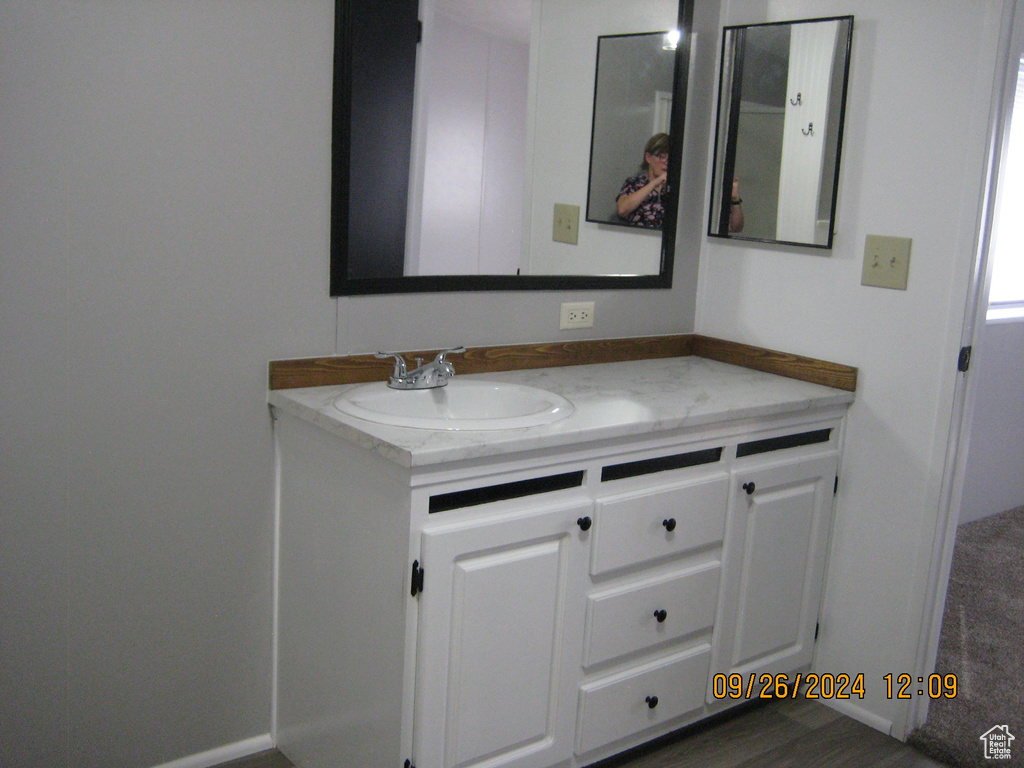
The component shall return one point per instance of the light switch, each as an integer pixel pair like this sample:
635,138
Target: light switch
886,262
567,224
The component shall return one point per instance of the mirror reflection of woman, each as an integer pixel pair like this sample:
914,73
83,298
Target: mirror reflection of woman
640,199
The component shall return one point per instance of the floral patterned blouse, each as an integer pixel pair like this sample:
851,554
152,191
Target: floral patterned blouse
651,212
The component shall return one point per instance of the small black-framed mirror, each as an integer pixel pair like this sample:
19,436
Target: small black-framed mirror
632,113
376,119
778,141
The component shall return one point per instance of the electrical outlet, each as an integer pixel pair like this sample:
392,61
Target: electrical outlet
886,262
577,314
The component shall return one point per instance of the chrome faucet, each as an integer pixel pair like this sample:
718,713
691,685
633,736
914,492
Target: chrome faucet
430,376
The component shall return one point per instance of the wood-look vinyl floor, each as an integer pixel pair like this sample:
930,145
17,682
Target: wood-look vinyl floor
789,734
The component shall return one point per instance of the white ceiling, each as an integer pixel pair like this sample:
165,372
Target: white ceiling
508,19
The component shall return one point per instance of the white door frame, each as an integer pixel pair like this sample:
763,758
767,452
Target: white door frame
1011,47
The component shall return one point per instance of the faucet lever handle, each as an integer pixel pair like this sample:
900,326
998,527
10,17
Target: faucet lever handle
454,350
400,368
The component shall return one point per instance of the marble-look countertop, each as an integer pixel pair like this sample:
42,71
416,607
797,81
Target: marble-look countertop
610,399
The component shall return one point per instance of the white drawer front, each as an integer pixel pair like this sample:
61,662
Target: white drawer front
639,527
650,612
619,706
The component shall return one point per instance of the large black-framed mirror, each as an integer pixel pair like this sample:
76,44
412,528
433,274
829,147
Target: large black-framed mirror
383,147
781,108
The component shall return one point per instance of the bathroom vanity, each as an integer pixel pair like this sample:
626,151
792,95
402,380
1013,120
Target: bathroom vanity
551,595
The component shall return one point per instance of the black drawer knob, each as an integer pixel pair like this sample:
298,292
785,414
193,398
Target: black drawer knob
670,524
749,488
652,701
661,615
584,523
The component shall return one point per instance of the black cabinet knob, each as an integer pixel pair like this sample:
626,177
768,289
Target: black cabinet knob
584,523
661,615
670,524
749,488
652,701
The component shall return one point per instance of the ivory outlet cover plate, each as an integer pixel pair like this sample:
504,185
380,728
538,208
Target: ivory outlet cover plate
576,314
886,262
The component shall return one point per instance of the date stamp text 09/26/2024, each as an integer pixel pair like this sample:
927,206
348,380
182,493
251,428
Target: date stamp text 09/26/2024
829,686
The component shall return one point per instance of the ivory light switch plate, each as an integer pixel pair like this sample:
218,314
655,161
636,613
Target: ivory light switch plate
567,224
886,262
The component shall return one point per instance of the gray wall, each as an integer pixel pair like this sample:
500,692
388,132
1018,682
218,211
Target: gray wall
164,214
163,235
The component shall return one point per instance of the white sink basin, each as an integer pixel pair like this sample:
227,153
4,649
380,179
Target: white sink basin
462,404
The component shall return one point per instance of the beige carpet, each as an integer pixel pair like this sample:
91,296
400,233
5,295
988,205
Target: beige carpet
982,643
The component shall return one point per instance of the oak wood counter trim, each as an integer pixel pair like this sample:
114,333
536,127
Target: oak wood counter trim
354,369
781,363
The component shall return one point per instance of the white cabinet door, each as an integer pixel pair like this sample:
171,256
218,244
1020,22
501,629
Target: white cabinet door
773,566
500,638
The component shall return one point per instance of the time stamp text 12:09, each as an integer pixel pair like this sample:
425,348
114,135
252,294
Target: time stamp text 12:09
828,686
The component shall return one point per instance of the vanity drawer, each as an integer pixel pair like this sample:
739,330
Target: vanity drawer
620,705
642,526
653,611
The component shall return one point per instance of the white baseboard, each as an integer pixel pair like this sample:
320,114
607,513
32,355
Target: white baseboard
223,754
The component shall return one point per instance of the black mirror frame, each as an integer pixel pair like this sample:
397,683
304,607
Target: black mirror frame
727,157
342,285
